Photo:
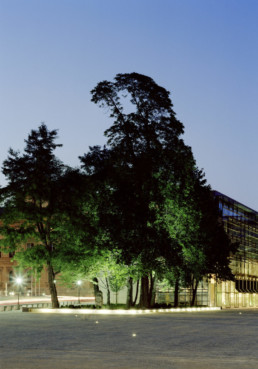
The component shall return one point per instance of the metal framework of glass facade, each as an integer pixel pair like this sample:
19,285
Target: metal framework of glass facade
241,225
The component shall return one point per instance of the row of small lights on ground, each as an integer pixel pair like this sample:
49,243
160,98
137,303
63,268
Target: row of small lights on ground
124,312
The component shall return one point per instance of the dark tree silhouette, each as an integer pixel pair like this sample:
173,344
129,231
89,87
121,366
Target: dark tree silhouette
41,202
144,151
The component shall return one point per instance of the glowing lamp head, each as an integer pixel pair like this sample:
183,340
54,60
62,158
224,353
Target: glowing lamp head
18,280
79,283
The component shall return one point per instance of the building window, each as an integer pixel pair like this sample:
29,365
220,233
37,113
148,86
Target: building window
30,245
11,254
11,276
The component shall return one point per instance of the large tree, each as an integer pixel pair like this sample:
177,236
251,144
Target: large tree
153,202
144,152
41,203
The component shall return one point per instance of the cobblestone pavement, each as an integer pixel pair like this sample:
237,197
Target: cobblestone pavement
210,340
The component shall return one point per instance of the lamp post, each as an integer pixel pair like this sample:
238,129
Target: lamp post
79,288
18,281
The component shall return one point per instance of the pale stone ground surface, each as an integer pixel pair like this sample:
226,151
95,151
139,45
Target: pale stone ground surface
210,340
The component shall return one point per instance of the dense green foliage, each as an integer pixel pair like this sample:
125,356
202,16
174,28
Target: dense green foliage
41,205
158,202
140,209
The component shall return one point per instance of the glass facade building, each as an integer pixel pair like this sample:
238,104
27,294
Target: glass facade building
241,224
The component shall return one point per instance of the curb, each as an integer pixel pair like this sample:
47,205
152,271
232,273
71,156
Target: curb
118,311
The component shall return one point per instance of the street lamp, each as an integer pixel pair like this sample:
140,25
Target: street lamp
18,281
79,288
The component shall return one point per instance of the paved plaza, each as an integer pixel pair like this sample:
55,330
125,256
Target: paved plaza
206,340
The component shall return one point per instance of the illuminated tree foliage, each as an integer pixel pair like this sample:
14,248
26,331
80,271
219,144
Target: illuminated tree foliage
204,249
41,203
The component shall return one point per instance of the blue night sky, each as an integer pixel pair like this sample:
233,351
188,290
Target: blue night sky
205,52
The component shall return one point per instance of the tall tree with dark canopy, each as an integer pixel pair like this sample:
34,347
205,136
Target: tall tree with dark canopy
152,200
41,202
144,152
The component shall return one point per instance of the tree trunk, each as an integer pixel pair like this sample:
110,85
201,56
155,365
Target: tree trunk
144,298
95,286
153,290
108,293
97,293
176,293
136,293
195,285
52,286
99,299
129,297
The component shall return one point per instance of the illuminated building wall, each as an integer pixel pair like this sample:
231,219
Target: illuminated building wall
241,225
